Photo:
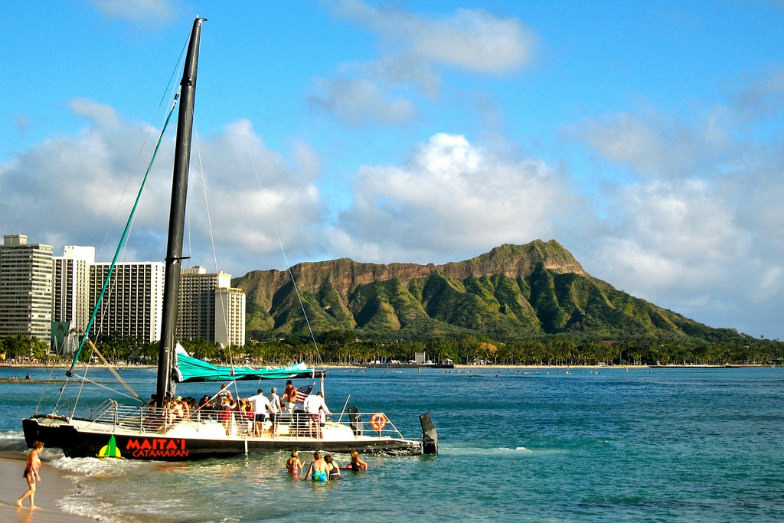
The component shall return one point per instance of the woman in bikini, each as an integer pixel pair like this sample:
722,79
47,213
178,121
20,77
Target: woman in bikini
31,474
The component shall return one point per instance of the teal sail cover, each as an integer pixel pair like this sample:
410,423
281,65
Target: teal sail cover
189,369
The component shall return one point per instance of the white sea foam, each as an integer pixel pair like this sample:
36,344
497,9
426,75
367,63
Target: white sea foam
449,450
480,451
95,467
12,440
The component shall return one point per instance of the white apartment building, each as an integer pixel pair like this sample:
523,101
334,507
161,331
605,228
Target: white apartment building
25,288
50,297
209,309
230,316
133,303
71,287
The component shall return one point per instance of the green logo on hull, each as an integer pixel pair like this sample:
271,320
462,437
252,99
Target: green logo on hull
110,450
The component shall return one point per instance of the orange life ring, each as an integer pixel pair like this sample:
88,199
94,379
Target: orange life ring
378,421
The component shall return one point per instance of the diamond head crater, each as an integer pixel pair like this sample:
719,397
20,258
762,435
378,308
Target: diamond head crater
516,304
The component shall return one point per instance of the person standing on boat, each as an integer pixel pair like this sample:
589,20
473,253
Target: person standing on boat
315,407
262,407
275,410
31,474
226,415
223,394
290,396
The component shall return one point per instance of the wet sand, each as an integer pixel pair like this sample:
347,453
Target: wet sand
53,487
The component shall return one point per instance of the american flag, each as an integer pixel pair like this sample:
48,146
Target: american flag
303,392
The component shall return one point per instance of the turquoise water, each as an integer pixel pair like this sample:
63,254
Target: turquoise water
515,445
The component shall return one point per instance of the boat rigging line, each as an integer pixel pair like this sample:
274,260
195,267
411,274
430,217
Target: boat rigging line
286,263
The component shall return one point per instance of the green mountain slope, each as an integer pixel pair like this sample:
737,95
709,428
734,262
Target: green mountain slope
513,291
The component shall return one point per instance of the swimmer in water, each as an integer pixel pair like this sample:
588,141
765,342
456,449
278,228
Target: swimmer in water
317,471
294,465
356,463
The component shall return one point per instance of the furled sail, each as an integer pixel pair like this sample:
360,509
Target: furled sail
189,369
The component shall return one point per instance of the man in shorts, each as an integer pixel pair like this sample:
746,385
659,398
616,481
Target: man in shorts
315,408
261,408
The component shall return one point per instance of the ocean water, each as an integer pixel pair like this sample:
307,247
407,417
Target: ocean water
515,445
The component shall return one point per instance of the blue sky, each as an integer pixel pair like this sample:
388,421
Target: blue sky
644,136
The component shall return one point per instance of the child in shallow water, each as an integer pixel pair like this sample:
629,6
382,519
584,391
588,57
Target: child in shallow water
294,465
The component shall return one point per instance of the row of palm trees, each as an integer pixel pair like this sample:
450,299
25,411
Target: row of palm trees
343,347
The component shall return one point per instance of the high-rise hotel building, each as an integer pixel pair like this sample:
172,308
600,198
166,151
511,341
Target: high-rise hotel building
210,309
25,288
71,289
133,303
53,297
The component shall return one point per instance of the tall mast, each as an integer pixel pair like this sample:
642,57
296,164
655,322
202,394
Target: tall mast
182,155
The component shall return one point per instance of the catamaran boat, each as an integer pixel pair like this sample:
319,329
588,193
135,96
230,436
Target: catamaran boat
154,432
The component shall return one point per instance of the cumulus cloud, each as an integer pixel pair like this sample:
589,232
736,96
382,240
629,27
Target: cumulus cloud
654,144
762,97
698,228
79,189
470,39
415,47
452,199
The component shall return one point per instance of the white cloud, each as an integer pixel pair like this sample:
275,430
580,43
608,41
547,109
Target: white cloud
360,101
78,190
470,39
414,49
102,115
761,98
698,229
657,145
452,199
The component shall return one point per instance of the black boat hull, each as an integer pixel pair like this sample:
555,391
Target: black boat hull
78,443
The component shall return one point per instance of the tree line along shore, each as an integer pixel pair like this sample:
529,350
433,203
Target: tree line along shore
343,348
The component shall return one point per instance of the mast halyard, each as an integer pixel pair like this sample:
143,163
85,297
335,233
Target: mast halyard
182,154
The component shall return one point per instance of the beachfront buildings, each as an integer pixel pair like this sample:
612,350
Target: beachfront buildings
210,309
71,294
133,301
53,298
25,288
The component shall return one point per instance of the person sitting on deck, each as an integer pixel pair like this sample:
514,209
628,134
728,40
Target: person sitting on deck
176,410
205,408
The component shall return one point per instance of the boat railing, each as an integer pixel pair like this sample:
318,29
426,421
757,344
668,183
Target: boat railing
294,425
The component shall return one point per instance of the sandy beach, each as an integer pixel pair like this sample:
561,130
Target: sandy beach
52,488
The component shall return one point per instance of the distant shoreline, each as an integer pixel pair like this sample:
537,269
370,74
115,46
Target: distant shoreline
424,366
